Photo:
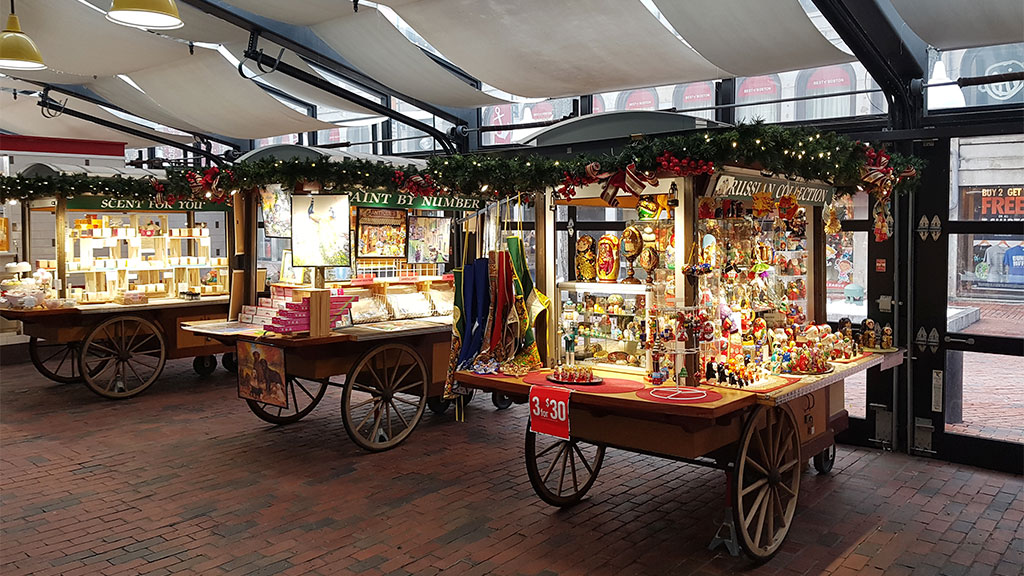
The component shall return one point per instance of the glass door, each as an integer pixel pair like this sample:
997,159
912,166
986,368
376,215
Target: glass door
967,317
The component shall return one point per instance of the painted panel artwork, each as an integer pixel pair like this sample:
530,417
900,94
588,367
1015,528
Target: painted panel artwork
261,375
382,233
429,239
321,230
277,211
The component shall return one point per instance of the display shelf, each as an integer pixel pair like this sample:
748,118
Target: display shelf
607,339
147,269
604,287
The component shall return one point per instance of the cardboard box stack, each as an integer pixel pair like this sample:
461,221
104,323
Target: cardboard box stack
291,310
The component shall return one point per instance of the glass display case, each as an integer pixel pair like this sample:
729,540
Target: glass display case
602,324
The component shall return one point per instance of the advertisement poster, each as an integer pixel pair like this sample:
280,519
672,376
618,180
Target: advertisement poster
321,226
382,233
277,211
261,375
429,239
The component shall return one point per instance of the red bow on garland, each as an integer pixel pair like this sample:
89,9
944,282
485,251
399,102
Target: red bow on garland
207,184
631,179
879,176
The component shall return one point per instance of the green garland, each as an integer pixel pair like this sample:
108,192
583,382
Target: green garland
788,152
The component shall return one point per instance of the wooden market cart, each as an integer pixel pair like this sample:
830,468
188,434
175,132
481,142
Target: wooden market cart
760,438
388,372
117,350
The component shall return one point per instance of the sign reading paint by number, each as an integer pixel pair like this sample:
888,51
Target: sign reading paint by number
549,411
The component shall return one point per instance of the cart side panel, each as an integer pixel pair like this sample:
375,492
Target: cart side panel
437,358
671,440
184,344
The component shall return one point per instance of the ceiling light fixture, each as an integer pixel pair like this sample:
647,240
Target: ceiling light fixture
148,14
17,50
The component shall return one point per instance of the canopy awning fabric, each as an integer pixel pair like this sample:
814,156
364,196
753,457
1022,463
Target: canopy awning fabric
752,38
952,24
538,48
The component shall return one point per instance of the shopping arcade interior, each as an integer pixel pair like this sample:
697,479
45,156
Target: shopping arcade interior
373,102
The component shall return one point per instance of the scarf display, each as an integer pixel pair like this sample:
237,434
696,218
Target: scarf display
530,303
458,328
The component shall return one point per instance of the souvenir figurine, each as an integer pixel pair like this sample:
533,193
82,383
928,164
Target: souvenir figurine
887,337
846,327
798,225
608,259
649,262
868,336
632,244
586,267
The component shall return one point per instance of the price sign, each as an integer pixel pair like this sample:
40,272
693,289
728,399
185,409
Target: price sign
549,411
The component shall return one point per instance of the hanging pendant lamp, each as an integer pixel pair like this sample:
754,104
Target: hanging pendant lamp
17,50
148,14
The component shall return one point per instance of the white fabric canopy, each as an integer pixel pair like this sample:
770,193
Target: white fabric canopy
951,24
205,90
294,87
22,116
76,39
752,38
304,13
123,96
379,50
86,108
539,48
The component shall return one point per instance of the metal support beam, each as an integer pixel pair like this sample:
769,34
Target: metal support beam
270,62
46,103
345,71
93,100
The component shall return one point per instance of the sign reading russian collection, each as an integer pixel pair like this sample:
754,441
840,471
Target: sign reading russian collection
743,184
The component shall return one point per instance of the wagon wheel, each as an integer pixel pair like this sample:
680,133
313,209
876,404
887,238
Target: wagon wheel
303,396
766,481
230,362
58,362
438,405
562,471
204,365
122,356
500,401
384,396
824,460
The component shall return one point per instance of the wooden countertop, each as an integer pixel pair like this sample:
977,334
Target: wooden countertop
228,331
153,304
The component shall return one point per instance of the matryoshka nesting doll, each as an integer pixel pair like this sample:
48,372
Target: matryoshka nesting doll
586,261
608,258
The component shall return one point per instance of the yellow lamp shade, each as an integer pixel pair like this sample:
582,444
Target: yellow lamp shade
149,14
17,50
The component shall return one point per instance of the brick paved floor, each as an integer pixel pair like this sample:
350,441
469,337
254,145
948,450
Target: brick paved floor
185,480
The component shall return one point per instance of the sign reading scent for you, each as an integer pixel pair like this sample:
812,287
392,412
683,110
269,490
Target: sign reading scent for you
549,411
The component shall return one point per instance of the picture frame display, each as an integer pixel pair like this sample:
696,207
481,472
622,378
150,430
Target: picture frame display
429,239
382,233
276,204
321,230
261,373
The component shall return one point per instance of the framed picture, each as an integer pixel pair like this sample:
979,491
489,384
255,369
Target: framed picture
261,375
430,239
321,230
289,274
276,204
382,233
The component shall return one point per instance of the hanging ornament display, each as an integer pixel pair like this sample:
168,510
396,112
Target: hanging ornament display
763,204
706,208
883,221
787,207
832,224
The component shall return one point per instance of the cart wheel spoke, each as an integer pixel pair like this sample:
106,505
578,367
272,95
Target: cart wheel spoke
549,449
304,391
365,388
761,450
572,466
400,416
141,379
755,507
400,379
363,403
63,349
761,517
777,443
104,348
376,426
554,462
416,384
369,413
404,401
770,515
786,467
139,344
754,486
788,490
756,466
583,459
131,341
561,477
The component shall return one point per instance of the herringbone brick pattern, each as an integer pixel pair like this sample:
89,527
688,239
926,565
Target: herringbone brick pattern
184,480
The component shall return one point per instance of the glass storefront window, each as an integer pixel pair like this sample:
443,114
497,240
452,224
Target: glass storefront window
988,178
522,113
846,276
985,61
983,396
853,207
986,284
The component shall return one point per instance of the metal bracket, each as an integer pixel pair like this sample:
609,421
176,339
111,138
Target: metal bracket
927,227
933,340
921,339
923,430
884,303
731,543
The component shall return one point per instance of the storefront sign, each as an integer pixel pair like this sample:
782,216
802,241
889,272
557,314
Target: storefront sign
409,202
106,203
992,203
741,184
549,411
